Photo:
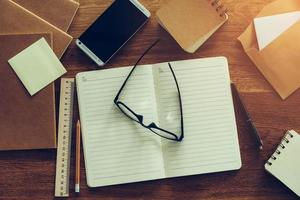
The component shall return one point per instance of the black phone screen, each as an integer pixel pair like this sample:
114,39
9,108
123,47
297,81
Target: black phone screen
113,28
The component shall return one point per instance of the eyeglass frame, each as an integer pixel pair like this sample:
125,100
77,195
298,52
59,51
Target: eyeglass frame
152,125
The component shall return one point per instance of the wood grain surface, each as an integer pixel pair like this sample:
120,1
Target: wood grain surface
31,174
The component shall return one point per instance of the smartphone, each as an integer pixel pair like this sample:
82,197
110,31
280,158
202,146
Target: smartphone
112,30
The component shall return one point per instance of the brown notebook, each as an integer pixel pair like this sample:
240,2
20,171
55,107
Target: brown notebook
25,122
59,13
16,19
192,22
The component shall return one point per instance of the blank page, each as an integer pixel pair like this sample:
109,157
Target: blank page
286,167
211,141
116,149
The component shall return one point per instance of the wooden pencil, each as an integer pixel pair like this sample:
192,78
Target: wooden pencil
77,172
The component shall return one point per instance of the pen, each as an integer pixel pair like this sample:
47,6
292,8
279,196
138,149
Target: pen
77,170
249,120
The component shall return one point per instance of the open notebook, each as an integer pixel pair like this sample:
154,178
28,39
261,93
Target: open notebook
118,150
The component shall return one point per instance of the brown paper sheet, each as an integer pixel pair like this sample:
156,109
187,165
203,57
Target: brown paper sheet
25,122
59,13
14,19
279,62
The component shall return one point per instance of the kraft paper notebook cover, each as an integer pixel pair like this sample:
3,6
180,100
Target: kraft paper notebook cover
192,22
118,150
279,61
15,19
26,122
59,13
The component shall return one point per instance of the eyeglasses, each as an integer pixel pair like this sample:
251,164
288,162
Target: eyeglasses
139,118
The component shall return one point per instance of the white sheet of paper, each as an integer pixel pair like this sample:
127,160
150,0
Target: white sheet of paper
270,27
37,66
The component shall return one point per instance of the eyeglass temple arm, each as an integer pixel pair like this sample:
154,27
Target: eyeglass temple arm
141,57
180,103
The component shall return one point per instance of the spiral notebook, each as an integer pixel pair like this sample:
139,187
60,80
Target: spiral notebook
192,22
118,150
284,164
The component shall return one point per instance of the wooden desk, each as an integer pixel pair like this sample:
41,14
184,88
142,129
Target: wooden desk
31,174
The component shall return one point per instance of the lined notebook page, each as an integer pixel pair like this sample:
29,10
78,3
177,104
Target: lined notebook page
116,149
287,164
211,142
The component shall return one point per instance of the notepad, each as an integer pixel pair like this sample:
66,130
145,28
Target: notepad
37,66
192,22
118,150
284,164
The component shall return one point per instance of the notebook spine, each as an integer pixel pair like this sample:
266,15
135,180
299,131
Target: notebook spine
281,147
219,7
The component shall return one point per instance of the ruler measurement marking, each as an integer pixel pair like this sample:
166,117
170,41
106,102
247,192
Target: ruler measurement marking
64,138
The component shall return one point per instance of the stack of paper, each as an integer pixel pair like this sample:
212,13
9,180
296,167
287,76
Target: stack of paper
15,19
32,16
34,36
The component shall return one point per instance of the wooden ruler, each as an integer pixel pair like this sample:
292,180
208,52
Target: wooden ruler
64,137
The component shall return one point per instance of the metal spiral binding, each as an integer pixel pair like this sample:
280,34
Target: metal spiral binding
220,8
281,146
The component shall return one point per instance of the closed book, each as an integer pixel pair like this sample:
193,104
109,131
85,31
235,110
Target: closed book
59,13
25,122
14,19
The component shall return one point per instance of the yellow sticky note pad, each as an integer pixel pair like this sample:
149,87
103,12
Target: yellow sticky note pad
37,66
